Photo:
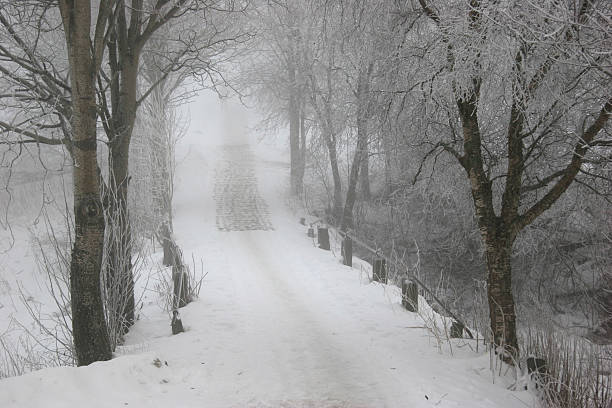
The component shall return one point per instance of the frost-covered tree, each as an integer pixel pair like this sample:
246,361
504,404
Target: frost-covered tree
524,88
275,73
158,128
39,88
205,29
364,44
326,89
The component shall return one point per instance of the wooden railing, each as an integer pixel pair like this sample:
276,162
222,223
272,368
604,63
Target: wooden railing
408,284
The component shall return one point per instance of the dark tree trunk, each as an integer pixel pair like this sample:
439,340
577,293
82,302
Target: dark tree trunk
119,262
347,214
389,180
91,341
363,114
604,332
360,151
499,292
331,143
333,161
323,106
125,70
366,194
497,232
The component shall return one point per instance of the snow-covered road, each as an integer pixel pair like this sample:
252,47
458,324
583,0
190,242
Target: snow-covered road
279,322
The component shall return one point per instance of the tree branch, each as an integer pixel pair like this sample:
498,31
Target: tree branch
569,173
35,138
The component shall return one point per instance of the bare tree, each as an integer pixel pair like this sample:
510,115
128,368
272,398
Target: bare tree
533,115
324,82
275,72
197,45
364,34
39,79
160,127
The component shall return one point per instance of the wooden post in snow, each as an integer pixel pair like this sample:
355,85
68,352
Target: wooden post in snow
167,245
379,270
410,295
347,251
177,323
179,293
323,237
456,330
537,370
181,286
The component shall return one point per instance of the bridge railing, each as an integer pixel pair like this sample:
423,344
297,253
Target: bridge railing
409,279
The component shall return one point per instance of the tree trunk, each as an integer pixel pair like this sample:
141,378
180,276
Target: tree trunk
333,160
605,327
499,292
294,131
360,150
389,179
366,194
331,141
91,341
120,241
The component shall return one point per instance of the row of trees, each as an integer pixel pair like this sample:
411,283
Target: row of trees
78,74
511,100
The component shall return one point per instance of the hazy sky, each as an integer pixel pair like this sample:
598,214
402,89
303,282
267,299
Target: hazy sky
214,121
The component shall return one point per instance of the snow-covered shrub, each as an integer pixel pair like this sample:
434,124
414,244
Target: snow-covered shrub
22,352
163,283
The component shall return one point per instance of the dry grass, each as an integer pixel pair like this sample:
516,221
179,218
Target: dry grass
578,373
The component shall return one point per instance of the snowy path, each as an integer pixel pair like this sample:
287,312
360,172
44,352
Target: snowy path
238,204
279,323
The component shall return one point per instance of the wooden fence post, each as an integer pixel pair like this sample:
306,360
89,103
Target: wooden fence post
456,330
177,323
167,245
181,286
379,270
323,237
537,370
347,251
410,296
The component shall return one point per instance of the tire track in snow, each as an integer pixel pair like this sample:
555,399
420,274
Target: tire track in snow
280,332
283,331
289,334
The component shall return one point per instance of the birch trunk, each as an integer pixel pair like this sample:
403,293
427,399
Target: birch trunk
90,335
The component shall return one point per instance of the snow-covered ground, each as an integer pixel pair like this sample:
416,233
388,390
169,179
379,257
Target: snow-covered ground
279,322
